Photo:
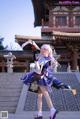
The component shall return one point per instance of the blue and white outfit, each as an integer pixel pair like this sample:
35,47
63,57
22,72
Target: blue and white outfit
43,74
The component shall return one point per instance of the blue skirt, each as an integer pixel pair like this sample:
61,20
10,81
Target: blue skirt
30,77
34,80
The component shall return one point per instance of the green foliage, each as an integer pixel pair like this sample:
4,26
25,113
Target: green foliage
1,46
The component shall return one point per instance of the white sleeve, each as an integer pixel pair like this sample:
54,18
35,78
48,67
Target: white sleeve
37,67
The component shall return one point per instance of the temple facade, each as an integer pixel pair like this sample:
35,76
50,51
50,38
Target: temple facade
60,27
60,21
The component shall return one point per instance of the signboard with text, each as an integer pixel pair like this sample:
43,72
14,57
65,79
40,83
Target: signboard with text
74,2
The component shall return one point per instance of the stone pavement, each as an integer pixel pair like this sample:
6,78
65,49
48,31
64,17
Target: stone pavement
22,108
31,115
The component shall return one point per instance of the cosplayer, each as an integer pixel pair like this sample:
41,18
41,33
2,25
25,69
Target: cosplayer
43,76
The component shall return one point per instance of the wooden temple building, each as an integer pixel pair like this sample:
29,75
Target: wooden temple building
60,27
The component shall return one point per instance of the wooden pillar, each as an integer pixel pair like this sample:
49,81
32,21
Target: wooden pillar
70,17
74,59
51,18
3,66
27,65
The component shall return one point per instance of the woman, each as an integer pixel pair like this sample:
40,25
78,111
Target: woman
43,74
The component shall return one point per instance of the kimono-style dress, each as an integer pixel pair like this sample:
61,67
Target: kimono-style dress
42,75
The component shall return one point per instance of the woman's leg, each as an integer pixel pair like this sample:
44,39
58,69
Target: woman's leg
39,104
48,100
46,95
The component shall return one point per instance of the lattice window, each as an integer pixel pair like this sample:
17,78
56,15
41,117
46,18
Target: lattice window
77,20
61,20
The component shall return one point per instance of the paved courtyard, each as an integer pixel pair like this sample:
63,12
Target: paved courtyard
60,115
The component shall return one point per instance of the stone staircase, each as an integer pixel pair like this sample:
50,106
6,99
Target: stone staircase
21,104
10,90
62,100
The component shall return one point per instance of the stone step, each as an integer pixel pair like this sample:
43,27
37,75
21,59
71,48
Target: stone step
8,86
8,104
60,115
9,109
10,82
9,98
10,94
10,90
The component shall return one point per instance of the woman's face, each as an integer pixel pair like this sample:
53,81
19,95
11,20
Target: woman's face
45,52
